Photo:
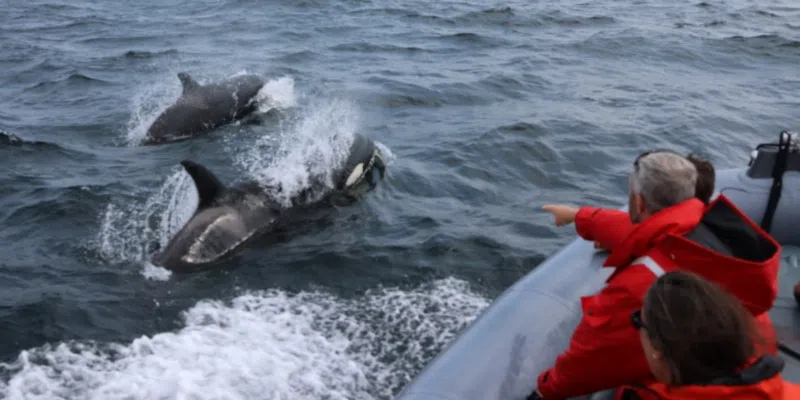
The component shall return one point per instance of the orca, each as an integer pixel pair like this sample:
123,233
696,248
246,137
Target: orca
228,218
201,108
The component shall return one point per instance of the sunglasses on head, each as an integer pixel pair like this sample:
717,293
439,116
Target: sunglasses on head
636,320
649,152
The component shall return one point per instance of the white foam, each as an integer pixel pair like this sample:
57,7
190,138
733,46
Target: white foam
182,200
265,345
309,150
147,104
129,227
278,93
155,273
388,156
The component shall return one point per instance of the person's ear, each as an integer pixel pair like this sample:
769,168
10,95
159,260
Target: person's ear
638,203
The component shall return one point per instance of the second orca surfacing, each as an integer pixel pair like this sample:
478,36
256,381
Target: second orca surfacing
201,108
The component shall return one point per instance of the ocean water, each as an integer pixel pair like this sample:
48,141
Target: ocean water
486,110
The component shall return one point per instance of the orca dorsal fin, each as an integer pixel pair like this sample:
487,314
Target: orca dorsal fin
208,185
188,82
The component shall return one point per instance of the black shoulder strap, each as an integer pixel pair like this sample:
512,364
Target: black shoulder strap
781,158
784,145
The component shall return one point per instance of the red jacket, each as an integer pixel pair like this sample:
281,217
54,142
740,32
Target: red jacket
604,351
761,381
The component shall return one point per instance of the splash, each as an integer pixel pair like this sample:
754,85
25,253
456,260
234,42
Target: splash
277,94
146,106
128,232
155,273
308,151
266,345
388,156
151,101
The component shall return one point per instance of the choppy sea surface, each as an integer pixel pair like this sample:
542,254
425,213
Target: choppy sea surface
487,110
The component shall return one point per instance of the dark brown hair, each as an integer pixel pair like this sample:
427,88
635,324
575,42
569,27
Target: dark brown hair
703,331
706,177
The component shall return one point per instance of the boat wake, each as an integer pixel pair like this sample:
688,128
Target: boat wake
265,345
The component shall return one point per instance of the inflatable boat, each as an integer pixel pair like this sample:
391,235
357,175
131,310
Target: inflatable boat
501,353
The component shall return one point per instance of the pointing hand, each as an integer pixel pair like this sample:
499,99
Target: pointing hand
564,215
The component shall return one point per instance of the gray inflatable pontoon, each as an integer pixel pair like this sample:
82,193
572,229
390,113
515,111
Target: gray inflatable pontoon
500,354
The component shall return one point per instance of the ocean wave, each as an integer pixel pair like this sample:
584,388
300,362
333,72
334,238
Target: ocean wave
636,44
771,45
54,203
492,17
491,11
504,16
398,94
75,78
121,41
269,344
505,85
59,26
493,88
472,39
8,139
559,17
144,54
407,13
366,47
296,57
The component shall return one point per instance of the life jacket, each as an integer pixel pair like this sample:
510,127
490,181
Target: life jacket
718,242
759,381
722,245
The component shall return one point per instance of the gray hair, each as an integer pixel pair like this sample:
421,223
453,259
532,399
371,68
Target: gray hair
663,179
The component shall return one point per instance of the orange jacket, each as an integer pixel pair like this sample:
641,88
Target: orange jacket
604,351
761,381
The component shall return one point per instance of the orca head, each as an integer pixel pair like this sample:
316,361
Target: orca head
364,168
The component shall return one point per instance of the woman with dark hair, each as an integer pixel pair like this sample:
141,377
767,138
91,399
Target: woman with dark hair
701,343
706,177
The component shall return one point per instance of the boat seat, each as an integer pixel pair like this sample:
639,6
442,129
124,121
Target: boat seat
785,314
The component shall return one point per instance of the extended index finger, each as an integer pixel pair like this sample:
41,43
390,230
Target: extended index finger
549,207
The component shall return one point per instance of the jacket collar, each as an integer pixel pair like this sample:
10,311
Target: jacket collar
676,220
763,368
759,379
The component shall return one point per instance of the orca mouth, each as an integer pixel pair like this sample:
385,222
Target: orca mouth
378,168
370,173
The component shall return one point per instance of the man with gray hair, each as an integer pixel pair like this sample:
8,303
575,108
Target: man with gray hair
666,228
659,180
